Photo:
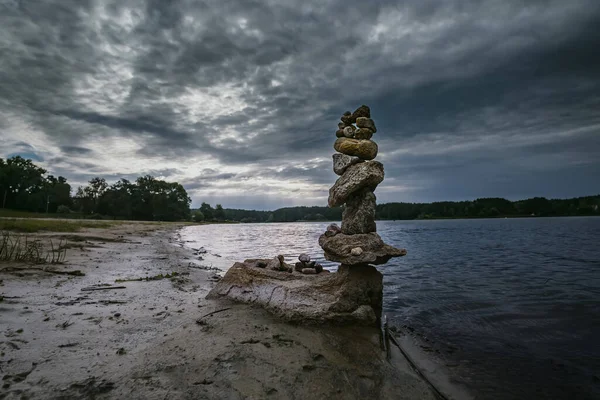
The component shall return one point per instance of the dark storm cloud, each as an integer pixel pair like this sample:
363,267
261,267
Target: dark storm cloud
471,98
75,150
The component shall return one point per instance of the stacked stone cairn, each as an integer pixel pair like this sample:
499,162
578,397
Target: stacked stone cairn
356,242
305,292
306,266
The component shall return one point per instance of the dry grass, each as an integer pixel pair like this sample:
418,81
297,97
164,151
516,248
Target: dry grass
21,248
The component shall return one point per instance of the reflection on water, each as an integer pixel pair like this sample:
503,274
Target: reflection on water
514,303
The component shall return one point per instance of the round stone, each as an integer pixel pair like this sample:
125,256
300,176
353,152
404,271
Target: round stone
304,258
349,131
363,134
365,149
357,251
362,111
363,122
347,120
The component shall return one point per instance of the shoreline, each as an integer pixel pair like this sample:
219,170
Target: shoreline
144,341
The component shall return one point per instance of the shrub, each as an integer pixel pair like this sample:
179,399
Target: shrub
198,216
62,209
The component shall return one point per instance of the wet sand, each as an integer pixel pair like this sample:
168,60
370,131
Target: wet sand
160,339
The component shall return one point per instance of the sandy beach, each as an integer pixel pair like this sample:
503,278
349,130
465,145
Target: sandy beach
106,335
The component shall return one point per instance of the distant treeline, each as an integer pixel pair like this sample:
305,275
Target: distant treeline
480,208
491,207
26,187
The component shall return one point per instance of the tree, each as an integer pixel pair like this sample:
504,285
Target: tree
198,216
117,200
208,211
22,184
89,197
219,212
57,192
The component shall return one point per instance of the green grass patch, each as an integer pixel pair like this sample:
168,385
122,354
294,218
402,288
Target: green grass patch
42,225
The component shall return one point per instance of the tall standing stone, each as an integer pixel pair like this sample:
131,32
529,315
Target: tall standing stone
359,213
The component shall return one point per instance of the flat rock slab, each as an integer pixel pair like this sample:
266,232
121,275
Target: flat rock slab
353,295
374,250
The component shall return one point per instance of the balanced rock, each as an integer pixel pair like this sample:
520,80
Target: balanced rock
368,123
304,258
350,296
363,134
364,175
362,111
349,131
332,230
339,133
309,271
347,118
365,149
342,161
374,250
359,213
278,264
341,125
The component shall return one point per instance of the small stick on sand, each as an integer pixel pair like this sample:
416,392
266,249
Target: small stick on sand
198,321
88,289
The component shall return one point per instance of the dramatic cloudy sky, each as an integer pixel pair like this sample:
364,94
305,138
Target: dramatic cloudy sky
239,100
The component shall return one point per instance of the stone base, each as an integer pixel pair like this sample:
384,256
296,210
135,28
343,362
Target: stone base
353,295
367,248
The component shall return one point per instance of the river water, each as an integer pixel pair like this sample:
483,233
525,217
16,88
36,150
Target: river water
512,306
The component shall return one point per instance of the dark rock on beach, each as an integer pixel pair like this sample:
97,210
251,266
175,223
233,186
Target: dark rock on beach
276,264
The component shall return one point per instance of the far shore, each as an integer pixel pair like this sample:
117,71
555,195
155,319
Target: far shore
134,323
